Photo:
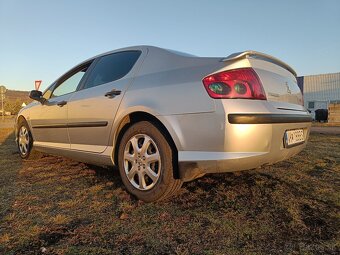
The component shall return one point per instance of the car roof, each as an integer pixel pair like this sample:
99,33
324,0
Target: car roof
142,48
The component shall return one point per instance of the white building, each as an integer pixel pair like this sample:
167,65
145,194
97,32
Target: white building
320,90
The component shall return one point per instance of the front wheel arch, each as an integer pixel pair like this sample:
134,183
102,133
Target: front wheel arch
32,154
20,119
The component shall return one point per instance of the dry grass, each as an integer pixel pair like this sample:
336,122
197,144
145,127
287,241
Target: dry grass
58,206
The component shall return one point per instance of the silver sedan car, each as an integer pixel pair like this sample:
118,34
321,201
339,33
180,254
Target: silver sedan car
164,117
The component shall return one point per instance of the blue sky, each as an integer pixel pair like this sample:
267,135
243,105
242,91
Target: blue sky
43,39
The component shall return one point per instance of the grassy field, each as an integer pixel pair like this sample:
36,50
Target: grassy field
58,206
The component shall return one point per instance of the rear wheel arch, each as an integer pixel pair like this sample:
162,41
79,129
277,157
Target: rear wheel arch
139,116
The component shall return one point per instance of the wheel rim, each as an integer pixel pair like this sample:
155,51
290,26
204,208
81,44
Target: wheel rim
23,140
142,162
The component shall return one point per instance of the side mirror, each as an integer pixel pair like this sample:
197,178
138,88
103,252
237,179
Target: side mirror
37,95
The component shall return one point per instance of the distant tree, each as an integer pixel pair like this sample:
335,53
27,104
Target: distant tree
13,106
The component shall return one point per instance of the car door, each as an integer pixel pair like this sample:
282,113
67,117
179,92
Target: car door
92,109
49,120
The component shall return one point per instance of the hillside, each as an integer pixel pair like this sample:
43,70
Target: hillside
13,95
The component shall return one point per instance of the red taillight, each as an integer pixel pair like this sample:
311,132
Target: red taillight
237,83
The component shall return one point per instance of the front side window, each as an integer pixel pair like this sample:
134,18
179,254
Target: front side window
70,84
112,67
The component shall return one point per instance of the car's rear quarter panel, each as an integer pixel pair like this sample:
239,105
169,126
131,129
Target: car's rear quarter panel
171,84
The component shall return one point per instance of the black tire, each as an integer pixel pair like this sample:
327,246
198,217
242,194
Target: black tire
28,153
166,185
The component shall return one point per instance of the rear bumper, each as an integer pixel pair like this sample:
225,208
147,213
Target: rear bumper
250,141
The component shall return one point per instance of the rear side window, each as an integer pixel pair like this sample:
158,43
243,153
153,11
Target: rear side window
112,67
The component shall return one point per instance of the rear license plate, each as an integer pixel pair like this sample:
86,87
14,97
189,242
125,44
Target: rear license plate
293,137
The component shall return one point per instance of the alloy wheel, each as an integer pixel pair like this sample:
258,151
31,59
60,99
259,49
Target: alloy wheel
142,162
23,140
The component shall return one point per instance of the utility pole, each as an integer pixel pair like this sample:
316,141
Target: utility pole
2,95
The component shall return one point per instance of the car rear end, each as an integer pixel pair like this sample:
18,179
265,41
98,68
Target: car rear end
265,121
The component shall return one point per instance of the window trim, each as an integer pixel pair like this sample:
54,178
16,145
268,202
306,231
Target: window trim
93,65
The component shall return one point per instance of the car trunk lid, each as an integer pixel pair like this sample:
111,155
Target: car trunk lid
278,79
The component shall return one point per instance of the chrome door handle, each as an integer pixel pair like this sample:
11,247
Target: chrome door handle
113,93
61,103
